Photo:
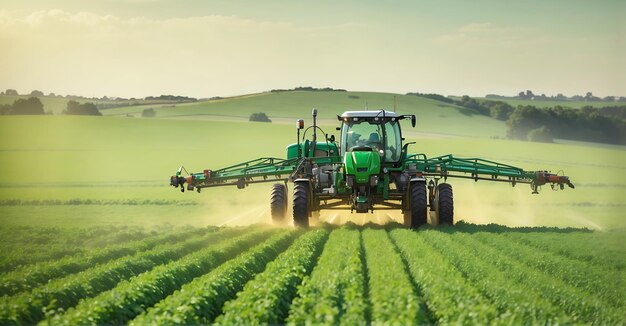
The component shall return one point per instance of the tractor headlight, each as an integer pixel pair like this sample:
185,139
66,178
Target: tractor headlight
373,180
350,180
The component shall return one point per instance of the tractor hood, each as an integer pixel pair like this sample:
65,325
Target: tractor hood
362,164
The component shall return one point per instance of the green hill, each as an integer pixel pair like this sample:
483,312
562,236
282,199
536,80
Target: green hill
432,116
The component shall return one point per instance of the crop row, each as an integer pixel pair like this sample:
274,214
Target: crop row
266,299
391,292
334,293
580,274
66,292
29,245
33,275
510,296
448,295
201,300
130,298
584,247
540,296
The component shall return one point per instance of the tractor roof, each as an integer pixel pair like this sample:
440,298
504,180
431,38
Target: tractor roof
368,114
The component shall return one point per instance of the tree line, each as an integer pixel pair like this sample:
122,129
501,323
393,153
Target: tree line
527,122
33,106
309,89
529,95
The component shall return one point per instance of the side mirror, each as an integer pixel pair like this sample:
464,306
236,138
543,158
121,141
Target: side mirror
331,138
413,121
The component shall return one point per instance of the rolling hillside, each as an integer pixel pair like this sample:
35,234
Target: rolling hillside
432,116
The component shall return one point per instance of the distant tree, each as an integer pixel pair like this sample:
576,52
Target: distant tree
561,97
52,95
541,134
501,110
259,117
609,99
148,113
5,109
11,92
36,93
75,108
30,106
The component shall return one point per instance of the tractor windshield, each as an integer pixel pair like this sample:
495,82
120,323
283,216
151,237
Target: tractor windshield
383,139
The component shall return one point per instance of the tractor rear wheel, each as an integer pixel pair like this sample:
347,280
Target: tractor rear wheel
417,213
301,204
445,204
278,203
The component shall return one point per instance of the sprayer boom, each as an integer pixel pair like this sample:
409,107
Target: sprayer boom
367,168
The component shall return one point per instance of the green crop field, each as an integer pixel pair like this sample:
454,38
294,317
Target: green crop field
91,232
466,274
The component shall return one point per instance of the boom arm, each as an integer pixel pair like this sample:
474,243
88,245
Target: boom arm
480,169
446,166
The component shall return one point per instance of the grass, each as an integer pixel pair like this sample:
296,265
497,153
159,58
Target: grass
74,160
432,116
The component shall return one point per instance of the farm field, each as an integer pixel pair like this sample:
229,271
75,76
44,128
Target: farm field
90,231
468,273
81,171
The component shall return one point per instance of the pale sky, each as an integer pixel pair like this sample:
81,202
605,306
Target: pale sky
204,48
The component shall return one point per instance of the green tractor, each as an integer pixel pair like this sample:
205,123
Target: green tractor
369,168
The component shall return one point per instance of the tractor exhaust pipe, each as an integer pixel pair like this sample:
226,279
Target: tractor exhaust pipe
314,113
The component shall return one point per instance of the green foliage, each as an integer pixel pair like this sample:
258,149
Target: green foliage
584,124
505,286
259,117
201,300
143,291
390,289
75,108
148,113
590,278
26,245
32,276
267,297
541,134
447,294
175,98
30,106
467,274
309,89
334,293
65,292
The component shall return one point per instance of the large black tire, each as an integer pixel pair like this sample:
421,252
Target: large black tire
301,204
418,206
278,203
445,204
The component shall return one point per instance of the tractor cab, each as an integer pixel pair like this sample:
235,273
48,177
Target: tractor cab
372,131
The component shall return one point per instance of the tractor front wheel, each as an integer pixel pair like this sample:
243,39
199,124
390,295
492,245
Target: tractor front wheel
301,204
445,204
417,211
278,203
